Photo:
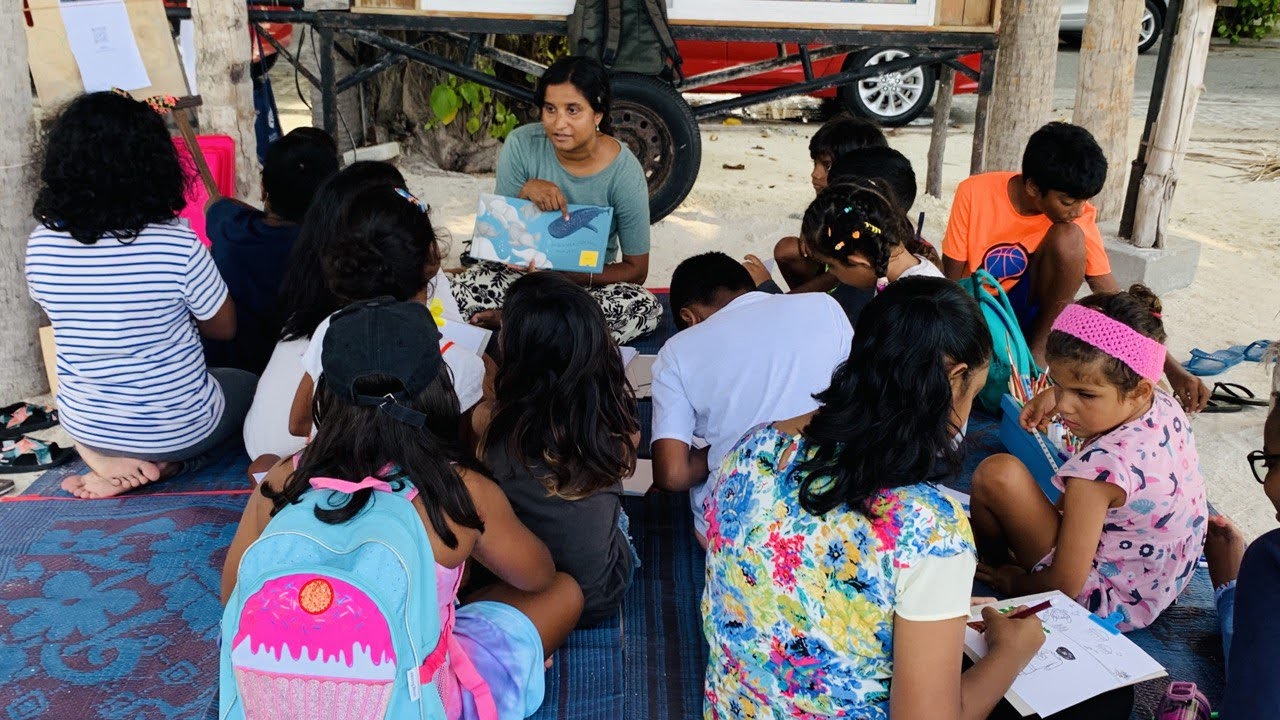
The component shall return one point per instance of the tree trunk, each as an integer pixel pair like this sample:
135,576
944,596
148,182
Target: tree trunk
1173,128
21,374
1025,68
1108,58
938,136
223,56
348,126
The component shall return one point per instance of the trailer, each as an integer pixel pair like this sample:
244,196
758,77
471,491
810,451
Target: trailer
649,113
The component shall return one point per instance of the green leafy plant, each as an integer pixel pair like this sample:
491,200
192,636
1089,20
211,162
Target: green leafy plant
1249,19
471,103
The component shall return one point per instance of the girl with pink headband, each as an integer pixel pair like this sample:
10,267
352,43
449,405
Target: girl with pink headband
1130,525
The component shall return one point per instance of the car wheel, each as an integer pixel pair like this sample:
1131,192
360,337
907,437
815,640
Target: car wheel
1152,26
658,126
890,99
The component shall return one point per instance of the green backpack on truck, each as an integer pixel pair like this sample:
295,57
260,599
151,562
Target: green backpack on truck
625,35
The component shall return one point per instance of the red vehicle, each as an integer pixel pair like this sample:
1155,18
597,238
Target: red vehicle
890,99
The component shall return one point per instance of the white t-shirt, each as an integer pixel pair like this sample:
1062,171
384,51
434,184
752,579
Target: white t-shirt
266,427
924,268
467,367
760,358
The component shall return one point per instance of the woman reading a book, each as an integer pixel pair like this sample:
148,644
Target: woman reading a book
571,158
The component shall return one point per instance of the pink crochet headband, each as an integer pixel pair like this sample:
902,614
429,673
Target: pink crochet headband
1142,354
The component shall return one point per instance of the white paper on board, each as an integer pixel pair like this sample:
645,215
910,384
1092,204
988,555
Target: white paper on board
103,44
187,49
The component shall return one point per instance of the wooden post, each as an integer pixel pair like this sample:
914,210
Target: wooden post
1108,58
21,373
1025,65
223,56
1173,128
938,138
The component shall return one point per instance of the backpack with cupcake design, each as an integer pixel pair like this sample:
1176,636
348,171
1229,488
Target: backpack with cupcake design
338,621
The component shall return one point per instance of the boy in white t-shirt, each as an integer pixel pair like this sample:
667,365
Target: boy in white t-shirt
742,358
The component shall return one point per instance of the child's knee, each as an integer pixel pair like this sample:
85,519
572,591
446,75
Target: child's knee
1063,245
568,593
787,250
996,475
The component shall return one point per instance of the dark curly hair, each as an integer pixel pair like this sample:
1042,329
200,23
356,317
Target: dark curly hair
588,76
844,218
1065,157
382,244
562,396
1138,307
887,417
305,298
843,134
110,169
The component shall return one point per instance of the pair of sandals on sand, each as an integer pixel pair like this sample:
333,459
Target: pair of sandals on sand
1228,397
20,453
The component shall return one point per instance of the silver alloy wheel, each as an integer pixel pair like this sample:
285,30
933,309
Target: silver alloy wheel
1148,26
891,94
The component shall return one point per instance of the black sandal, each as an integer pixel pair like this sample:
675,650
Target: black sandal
29,455
1236,394
21,418
1220,406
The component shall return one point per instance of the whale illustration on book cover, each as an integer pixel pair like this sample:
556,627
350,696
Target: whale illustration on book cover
515,231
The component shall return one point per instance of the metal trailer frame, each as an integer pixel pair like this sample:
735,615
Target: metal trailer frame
933,47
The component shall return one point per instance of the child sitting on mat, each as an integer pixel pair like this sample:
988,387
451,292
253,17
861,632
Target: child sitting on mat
563,434
839,136
838,575
1036,232
394,416
129,292
251,247
1128,530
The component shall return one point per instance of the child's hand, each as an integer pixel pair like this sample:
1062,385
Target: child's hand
759,273
1037,413
491,319
1004,578
1021,638
546,195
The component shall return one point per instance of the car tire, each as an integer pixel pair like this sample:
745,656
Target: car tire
912,89
656,123
1152,26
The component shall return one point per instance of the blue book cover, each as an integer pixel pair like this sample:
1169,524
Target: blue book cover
515,231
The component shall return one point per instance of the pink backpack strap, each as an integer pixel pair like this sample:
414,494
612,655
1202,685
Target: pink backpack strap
349,488
460,663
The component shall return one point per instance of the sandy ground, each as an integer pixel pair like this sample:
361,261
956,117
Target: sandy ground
1233,300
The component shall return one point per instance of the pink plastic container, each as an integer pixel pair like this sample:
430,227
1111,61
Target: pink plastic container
220,153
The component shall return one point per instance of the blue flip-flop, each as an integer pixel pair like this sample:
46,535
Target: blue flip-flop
1204,364
1254,351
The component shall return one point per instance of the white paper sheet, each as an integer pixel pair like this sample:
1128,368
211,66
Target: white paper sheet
1079,659
471,337
640,481
640,373
187,48
103,44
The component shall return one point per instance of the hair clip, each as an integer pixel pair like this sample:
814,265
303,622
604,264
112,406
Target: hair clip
840,245
856,234
413,199
848,209
161,104
871,227
1156,315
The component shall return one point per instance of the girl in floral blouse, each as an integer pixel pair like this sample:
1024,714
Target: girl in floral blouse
838,577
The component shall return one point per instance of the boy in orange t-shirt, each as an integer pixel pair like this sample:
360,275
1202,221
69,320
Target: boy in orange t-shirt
1036,232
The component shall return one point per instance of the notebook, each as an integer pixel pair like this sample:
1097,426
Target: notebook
1082,657
515,231
465,335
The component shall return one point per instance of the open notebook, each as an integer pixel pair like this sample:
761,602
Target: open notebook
1082,657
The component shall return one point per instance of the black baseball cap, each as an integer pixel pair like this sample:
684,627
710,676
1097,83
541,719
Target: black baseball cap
386,337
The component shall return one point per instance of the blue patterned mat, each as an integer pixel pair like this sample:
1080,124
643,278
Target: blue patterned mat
226,471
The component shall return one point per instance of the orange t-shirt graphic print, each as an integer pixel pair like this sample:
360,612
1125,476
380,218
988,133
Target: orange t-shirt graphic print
985,231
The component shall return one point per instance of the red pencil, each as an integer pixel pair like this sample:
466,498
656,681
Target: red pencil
981,625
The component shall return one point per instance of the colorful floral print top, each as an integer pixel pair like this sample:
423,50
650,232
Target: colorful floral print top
1150,545
799,609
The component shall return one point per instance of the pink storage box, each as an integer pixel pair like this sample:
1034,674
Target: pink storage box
220,153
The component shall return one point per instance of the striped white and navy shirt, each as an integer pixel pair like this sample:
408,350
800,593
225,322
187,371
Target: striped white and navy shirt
131,370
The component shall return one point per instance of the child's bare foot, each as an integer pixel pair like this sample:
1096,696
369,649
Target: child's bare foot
1224,547
124,473
91,486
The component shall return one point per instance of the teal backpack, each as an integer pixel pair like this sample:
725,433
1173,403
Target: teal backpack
1009,346
324,612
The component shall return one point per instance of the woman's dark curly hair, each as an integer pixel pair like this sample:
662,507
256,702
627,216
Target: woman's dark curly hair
563,399
382,244
110,169
305,298
861,218
1139,308
887,418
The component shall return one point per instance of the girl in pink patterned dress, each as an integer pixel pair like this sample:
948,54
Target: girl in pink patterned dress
1130,525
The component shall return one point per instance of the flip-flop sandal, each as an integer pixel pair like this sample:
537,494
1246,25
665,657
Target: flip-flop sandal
21,418
29,454
1254,351
1237,394
1204,364
1220,406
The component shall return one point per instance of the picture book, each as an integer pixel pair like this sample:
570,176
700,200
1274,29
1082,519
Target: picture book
515,231
1082,656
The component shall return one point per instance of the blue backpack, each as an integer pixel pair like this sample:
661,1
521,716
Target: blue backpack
1009,345
335,621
